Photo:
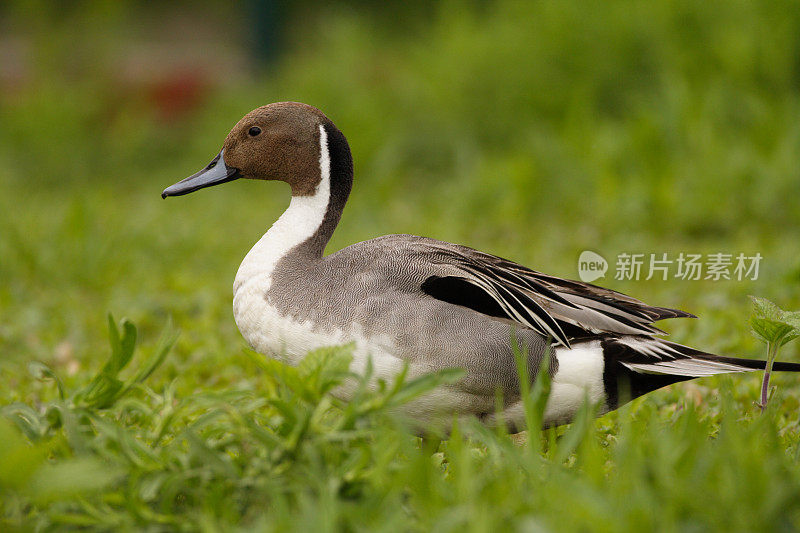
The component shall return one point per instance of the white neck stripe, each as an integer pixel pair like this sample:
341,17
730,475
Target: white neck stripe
324,163
300,221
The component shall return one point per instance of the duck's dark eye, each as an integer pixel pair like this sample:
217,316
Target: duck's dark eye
255,130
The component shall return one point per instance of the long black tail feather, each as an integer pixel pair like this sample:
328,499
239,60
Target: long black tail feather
756,364
636,365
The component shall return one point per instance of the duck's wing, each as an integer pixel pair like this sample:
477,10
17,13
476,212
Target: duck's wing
558,308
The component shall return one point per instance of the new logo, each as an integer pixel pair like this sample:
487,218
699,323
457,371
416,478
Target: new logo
591,266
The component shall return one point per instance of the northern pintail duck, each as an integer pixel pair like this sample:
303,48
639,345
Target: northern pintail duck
403,299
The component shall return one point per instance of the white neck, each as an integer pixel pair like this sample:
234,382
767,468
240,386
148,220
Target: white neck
300,221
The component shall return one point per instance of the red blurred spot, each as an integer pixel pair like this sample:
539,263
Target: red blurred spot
175,95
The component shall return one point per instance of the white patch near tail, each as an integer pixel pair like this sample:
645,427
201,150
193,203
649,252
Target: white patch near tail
579,376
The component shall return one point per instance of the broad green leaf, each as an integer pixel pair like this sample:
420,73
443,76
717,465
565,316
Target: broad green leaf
324,368
764,308
793,319
773,325
329,358
770,330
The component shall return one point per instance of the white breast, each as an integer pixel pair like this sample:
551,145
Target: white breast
265,328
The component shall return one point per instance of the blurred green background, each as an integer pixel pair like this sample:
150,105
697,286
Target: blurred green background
533,130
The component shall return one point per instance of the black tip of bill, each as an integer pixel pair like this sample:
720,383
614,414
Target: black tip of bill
215,173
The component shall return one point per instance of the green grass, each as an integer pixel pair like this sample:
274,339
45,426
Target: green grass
277,452
530,131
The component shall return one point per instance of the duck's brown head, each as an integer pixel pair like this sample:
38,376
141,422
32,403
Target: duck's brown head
278,141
